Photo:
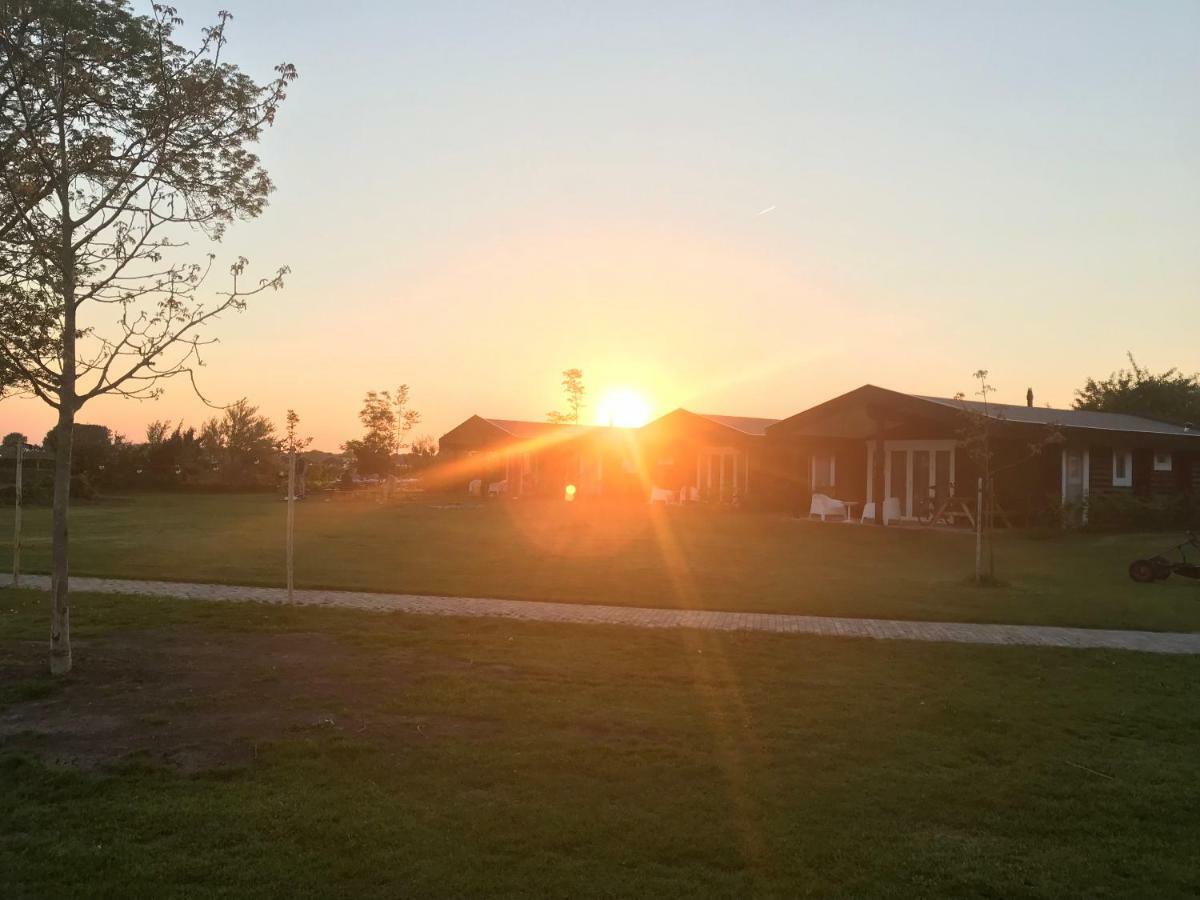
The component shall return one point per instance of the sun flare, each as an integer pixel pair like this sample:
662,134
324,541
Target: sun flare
623,407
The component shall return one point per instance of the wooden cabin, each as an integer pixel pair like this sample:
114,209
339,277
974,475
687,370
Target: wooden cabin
525,459
873,442
710,458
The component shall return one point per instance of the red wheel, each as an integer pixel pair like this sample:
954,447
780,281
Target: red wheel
1162,568
1142,571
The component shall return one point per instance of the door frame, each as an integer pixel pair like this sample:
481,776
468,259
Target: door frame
740,472
1086,453
907,447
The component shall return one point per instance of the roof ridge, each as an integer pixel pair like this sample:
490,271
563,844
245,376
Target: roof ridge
1097,416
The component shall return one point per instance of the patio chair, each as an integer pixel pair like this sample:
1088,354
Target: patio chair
823,505
664,496
891,511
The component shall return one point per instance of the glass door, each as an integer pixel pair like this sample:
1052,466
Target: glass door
897,485
1073,477
719,475
922,497
942,488
918,477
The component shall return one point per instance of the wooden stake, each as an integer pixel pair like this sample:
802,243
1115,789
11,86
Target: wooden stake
17,517
979,533
291,523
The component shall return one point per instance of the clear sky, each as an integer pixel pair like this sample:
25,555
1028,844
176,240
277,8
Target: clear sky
742,208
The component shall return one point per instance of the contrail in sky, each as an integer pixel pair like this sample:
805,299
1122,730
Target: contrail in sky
763,212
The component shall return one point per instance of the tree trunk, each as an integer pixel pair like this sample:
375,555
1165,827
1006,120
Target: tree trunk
991,528
979,532
17,515
60,604
291,525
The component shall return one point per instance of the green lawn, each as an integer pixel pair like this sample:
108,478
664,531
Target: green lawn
209,750
679,557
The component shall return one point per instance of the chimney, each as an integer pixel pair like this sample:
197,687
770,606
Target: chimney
1029,398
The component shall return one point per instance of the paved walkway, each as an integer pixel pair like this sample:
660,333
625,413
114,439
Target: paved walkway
642,617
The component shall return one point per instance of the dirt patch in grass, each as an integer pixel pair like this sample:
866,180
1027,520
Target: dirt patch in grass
195,699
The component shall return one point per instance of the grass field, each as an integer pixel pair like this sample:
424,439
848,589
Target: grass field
690,558
234,750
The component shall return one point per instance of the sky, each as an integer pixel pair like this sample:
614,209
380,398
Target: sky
741,208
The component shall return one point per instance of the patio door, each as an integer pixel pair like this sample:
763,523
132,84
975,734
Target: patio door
721,474
918,474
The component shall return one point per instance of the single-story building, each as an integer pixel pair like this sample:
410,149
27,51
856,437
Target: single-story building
535,459
710,458
919,453
919,450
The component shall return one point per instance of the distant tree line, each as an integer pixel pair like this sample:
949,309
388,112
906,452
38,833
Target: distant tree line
236,450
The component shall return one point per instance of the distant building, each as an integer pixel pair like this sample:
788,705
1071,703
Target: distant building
518,458
871,442
710,458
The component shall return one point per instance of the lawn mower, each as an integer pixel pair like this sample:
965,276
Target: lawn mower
1161,567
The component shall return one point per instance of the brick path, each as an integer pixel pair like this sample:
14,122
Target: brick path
642,617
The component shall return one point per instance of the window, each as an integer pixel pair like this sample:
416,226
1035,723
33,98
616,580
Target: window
1162,461
824,470
1122,468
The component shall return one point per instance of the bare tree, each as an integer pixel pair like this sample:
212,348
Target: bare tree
573,386
290,446
977,434
116,143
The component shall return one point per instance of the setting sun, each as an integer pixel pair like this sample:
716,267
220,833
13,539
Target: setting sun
623,407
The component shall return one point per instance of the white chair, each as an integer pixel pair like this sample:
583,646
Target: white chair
891,511
664,495
823,505
496,488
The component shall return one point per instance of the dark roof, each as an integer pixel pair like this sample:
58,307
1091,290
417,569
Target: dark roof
521,429
1066,418
745,424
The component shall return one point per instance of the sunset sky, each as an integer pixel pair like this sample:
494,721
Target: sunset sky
739,208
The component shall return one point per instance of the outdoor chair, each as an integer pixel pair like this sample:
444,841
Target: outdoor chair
823,505
664,496
891,511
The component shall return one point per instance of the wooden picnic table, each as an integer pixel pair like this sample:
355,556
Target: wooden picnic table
953,508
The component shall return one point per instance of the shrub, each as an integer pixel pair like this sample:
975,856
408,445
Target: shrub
1126,512
37,488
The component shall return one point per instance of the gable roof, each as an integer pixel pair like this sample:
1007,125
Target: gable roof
1065,418
850,415
746,424
519,428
